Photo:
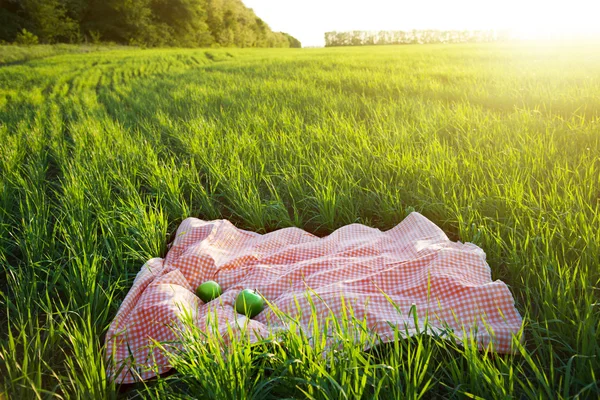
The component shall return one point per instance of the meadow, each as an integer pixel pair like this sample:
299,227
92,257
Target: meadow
103,154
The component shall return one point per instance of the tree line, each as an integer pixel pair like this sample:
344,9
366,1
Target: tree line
365,38
185,23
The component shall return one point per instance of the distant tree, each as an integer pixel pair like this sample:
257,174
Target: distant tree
11,20
185,20
369,38
361,38
26,38
189,23
136,23
49,20
293,42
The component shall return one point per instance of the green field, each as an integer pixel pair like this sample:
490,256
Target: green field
103,154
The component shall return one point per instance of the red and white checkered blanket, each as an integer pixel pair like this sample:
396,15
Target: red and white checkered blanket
414,264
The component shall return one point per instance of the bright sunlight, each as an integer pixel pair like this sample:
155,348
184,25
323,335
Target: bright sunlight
526,19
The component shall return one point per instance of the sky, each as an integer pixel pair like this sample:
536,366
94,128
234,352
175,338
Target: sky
308,20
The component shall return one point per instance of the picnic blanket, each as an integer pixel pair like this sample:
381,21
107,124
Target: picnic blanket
381,276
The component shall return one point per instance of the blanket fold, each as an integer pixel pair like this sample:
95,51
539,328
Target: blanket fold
414,265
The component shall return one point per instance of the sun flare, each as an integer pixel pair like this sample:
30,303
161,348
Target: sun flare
554,20
524,19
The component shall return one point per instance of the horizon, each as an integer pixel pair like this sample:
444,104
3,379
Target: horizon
525,19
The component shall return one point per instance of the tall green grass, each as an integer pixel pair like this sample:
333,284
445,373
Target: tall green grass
15,54
102,155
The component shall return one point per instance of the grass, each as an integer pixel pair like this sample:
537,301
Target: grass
103,154
15,54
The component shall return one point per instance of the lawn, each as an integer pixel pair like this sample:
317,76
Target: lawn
103,154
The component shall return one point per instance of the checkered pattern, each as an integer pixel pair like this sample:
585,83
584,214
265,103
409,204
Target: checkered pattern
414,265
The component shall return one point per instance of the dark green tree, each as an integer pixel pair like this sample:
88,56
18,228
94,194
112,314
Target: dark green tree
292,40
183,20
47,19
189,23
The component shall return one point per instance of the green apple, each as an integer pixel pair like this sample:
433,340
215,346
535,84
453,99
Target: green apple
208,291
249,302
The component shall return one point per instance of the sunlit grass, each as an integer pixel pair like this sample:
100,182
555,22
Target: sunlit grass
102,155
